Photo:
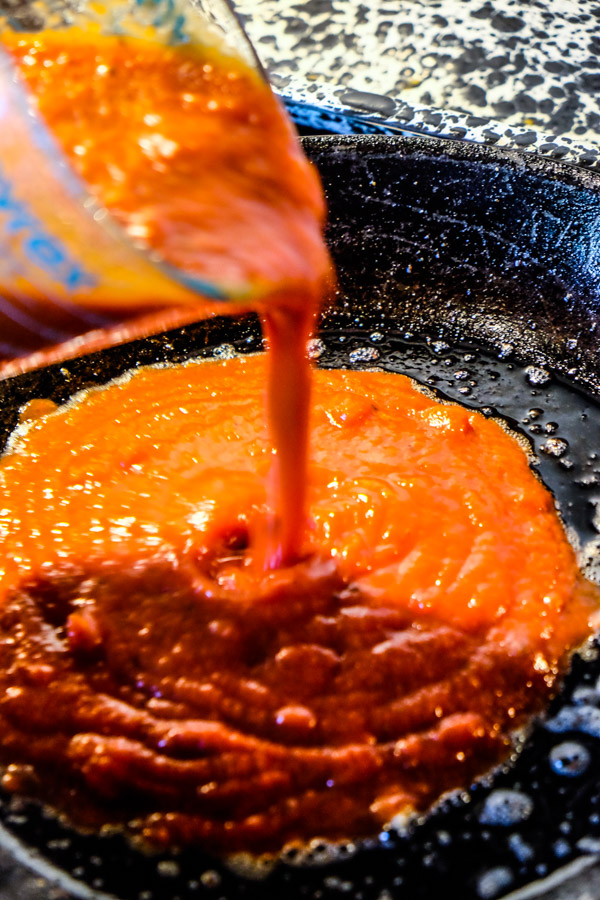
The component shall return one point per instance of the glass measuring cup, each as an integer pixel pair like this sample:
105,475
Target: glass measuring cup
65,265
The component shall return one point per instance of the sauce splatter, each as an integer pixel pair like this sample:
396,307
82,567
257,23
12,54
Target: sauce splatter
152,671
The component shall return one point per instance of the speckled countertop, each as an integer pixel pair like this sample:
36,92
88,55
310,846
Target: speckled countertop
522,73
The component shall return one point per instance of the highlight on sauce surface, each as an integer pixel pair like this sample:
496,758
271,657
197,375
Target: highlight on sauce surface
154,674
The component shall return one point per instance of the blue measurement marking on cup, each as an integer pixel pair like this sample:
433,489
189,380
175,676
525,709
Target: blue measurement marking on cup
39,247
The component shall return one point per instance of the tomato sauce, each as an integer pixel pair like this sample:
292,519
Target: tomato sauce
152,672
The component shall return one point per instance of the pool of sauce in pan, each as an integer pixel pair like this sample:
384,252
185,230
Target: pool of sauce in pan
535,816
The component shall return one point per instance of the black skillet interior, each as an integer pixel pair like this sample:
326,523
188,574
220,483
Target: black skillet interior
476,271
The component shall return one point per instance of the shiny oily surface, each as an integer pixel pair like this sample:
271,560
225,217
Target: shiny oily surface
147,654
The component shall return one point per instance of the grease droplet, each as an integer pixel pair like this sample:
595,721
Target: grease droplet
569,758
576,718
210,878
224,351
536,375
506,807
363,354
561,849
555,446
168,868
315,348
494,882
522,850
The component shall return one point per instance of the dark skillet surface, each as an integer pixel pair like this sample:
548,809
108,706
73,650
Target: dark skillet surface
453,258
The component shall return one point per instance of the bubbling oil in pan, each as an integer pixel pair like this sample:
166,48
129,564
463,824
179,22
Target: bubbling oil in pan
521,823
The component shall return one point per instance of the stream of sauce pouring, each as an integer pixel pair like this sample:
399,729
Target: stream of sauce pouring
193,155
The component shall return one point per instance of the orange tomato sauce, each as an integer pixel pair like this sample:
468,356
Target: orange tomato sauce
152,671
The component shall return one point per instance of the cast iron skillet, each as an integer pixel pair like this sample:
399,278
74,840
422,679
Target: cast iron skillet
478,272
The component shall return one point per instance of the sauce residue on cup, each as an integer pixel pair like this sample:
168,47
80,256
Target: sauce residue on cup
152,672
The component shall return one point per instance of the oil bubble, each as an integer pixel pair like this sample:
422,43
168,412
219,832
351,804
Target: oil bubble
585,696
506,807
363,354
521,849
561,849
570,759
576,718
317,853
168,868
210,878
225,351
333,883
315,348
536,375
494,882
555,447
589,845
